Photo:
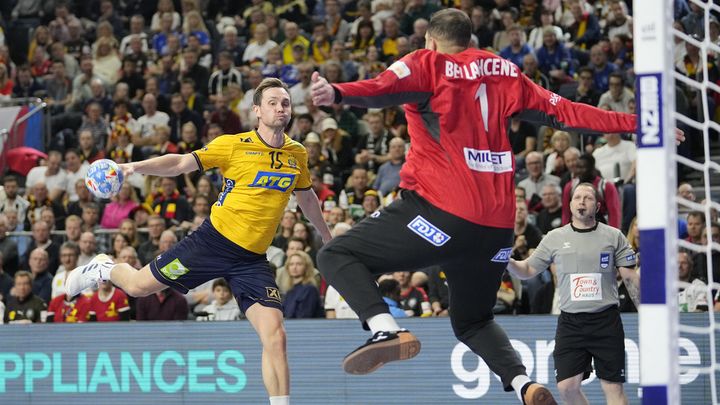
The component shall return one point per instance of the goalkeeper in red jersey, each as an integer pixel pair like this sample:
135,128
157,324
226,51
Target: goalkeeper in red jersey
457,204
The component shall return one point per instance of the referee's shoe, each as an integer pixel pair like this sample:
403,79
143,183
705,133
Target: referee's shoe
383,347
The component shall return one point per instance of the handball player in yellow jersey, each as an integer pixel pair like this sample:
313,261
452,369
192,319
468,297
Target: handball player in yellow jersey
261,168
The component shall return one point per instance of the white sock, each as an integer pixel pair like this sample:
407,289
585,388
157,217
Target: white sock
517,384
280,400
382,322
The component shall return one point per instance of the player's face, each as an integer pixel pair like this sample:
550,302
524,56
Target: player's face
583,204
274,110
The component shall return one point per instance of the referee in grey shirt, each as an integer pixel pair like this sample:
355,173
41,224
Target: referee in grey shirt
587,256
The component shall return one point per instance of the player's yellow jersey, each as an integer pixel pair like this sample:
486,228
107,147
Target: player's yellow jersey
258,182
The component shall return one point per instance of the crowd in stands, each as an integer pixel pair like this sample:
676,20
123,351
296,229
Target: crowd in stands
131,79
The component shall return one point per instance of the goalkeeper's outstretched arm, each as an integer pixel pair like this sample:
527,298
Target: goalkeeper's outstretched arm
166,166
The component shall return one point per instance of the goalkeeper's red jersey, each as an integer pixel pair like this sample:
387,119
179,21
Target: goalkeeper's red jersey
458,108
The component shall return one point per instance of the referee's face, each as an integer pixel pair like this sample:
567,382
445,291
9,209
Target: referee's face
583,205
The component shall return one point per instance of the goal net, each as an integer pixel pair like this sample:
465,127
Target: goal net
677,86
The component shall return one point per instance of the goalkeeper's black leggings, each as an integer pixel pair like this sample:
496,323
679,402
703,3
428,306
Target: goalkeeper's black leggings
411,234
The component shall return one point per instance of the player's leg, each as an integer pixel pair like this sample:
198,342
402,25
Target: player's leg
571,392
473,280
614,392
136,283
408,235
102,268
268,323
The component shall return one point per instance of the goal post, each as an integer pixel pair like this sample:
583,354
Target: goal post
656,206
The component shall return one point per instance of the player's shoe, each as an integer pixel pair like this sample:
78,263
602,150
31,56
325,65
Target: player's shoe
382,348
537,394
88,275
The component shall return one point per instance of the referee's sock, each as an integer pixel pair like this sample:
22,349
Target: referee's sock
280,400
520,384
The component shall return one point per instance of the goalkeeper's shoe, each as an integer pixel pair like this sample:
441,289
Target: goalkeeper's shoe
383,347
88,275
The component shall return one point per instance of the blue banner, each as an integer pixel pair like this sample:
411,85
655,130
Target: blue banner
219,363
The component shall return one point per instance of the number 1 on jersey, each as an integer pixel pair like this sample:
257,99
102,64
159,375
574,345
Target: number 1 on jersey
481,97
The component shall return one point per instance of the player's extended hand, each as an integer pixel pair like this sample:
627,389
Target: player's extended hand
127,169
679,136
321,91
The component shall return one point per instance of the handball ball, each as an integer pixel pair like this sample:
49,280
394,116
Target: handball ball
104,178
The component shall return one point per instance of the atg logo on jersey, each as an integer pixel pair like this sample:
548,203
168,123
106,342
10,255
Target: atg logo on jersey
273,181
488,161
428,231
604,260
650,110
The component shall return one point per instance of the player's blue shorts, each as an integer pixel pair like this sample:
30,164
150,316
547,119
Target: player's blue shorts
206,255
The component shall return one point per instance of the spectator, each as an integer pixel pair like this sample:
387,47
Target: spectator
390,291
585,31
337,27
610,211
535,181
374,146
170,204
69,254
618,98
602,69
620,23
695,225
550,216
327,197
109,304
223,116
303,231
285,230
150,121
338,148
12,200
692,294
6,282
165,7
166,31
52,176
166,305
300,91
616,159
225,75
223,307
351,198
586,92
75,170
118,242
193,25
555,163
530,69
23,306
256,51
370,203
8,251
191,69
554,60
91,217
537,35
120,207
302,299
527,235
319,44
84,198
388,175
685,190
25,84
42,279
702,267
230,43
88,248
89,151
502,36
137,30
517,49
41,240
523,138
181,115
293,39
94,122
571,156
106,62
413,300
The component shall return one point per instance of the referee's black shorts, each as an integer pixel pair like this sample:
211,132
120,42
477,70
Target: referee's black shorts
584,337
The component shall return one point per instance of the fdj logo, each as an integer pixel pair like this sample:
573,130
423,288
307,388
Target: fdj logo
273,181
650,110
428,231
